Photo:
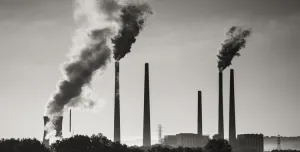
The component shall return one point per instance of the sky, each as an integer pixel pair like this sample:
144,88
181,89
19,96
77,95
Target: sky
180,42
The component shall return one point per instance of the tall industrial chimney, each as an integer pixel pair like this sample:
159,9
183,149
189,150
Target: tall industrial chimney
221,122
58,128
200,113
232,130
70,127
146,131
117,135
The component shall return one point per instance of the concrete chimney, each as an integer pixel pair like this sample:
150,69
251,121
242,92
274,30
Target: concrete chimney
232,129
70,127
58,127
200,113
117,131
221,121
146,131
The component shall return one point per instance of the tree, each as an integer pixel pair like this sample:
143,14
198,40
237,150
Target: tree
219,145
23,145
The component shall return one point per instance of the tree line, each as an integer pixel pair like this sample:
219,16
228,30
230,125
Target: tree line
100,143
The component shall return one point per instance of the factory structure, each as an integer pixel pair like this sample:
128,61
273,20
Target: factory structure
192,140
242,142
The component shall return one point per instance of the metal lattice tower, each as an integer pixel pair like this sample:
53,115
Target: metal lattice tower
278,143
160,134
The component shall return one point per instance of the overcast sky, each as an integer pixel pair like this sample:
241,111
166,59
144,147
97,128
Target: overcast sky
180,42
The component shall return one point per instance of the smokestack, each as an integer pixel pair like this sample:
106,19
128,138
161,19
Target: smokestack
70,127
200,113
147,132
232,130
221,122
58,128
117,137
45,141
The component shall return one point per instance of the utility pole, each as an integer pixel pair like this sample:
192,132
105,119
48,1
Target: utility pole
278,143
160,141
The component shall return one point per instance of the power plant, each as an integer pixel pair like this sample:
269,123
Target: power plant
244,141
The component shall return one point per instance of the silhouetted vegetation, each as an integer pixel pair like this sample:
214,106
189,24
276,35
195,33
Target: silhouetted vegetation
162,148
288,150
217,145
99,143
95,143
22,145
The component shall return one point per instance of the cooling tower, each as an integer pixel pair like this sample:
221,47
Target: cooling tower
199,130
146,129
232,129
58,127
117,131
221,121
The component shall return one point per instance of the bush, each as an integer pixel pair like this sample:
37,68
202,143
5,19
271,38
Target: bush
22,145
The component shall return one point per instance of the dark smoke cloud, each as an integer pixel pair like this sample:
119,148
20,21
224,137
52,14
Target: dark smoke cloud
236,40
99,22
133,18
79,73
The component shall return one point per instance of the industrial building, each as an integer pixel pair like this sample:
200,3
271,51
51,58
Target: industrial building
243,142
170,140
190,140
281,142
186,140
251,142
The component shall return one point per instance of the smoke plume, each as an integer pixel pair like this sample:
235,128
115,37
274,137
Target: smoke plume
133,18
99,22
236,40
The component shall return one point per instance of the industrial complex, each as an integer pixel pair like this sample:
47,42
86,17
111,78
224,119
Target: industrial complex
241,142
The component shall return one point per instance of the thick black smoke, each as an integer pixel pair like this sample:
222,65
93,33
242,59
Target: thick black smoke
90,50
236,40
99,22
133,18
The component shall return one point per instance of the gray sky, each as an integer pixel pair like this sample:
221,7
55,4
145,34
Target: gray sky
180,42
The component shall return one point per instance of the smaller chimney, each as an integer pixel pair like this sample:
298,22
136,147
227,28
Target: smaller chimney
200,113
46,141
70,127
